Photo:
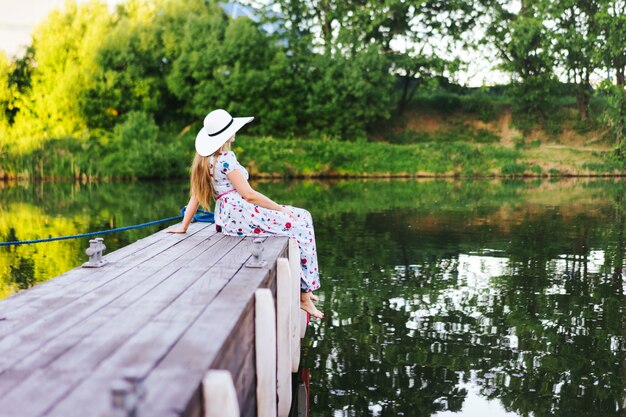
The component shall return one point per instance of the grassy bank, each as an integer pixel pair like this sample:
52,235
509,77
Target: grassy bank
270,157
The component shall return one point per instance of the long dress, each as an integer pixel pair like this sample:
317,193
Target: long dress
237,217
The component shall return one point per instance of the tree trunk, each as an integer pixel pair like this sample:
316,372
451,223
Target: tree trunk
583,97
405,94
619,78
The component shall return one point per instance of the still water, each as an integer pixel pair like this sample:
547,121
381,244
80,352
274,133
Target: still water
442,298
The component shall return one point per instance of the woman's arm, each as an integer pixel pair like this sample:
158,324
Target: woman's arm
243,187
191,209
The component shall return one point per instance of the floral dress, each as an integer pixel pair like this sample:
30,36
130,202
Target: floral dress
237,217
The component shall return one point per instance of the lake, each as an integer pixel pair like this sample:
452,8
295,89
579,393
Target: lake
442,297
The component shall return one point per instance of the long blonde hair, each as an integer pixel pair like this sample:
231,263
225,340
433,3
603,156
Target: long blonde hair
202,176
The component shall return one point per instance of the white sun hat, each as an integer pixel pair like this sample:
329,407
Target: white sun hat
219,126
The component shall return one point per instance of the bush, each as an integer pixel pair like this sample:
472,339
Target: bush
513,169
134,149
485,136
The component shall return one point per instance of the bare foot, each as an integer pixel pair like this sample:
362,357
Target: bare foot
314,297
307,305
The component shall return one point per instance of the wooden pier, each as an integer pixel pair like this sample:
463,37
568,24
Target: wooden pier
146,334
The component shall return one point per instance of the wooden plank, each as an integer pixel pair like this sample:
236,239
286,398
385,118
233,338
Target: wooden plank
109,337
220,398
47,383
18,299
91,347
120,293
245,383
83,281
233,352
101,333
265,343
283,336
295,269
304,322
193,351
21,298
146,348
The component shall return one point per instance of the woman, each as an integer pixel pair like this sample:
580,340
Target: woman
239,209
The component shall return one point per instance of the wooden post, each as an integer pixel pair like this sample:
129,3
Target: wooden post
265,337
283,333
294,264
220,398
303,323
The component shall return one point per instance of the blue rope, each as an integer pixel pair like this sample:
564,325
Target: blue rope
204,216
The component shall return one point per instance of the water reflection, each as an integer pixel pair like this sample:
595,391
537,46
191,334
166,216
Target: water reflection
58,209
512,308
473,298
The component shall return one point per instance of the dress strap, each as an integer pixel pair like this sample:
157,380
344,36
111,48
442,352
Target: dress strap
223,194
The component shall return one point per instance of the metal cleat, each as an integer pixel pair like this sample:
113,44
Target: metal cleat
257,255
134,377
123,402
94,252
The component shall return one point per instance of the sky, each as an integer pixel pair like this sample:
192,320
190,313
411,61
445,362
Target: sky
18,18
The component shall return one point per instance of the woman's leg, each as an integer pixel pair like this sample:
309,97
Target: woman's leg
302,230
306,304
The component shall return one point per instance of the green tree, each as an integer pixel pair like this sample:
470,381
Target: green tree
231,63
401,31
129,75
134,149
524,45
348,94
65,47
612,20
576,36
6,93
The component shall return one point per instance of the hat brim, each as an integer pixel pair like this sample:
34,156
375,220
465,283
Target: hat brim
207,145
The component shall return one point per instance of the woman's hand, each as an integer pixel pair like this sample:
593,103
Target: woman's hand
288,213
179,229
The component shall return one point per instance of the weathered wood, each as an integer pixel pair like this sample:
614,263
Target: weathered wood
106,301
304,321
145,345
167,388
220,398
22,298
123,256
83,282
246,383
186,305
265,330
283,336
193,350
296,270
105,339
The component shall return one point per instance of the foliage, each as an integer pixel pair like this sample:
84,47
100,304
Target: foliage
127,155
523,45
615,112
65,47
347,94
6,93
576,35
332,158
345,71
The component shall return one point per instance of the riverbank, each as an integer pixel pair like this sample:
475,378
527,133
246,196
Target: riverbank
324,158
422,142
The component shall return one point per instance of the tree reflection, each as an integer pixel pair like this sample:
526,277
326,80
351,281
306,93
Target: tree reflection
434,291
414,321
